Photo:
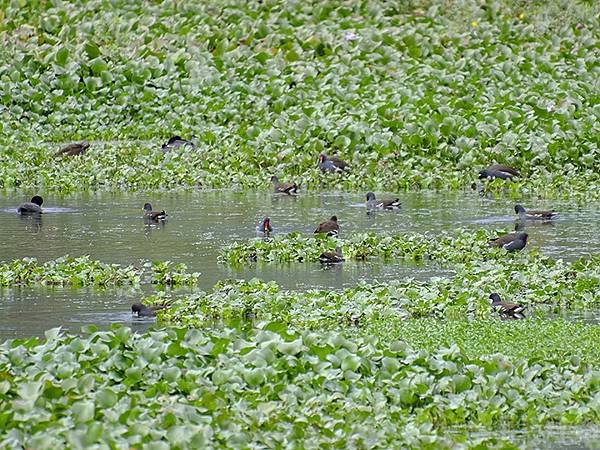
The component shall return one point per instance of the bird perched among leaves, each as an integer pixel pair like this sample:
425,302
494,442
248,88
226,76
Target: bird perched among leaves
77,148
499,171
330,227
332,164
511,242
153,215
506,309
332,257
176,142
284,188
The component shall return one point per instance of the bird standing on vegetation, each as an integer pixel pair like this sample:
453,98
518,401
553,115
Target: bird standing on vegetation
511,242
284,188
332,257
332,164
32,207
499,171
507,309
373,203
534,214
176,142
265,226
141,310
153,215
330,227
77,148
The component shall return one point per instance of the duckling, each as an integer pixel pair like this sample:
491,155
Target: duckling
32,207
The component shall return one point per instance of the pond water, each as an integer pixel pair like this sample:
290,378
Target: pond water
109,227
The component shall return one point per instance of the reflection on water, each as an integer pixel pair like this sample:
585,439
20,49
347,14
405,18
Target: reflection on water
110,227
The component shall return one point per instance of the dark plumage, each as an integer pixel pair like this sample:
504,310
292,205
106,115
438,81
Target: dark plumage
499,171
77,148
332,164
176,142
284,188
153,215
390,204
330,227
265,226
141,310
332,257
534,214
507,309
510,242
32,207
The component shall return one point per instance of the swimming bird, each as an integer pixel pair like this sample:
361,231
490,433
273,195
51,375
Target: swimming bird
332,164
32,207
507,309
74,149
265,226
284,188
153,215
389,204
332,257
534,214
330,227
176,142
499,171
141,310
510,242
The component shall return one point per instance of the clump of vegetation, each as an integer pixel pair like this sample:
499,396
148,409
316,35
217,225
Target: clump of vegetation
420,96
195,388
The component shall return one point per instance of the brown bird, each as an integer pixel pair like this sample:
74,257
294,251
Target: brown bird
330,227
153,215
534,214
499,171
284,188
509,309
332,257
141,310
510,242
77,148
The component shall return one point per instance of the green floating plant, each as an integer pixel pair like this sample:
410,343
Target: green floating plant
208,388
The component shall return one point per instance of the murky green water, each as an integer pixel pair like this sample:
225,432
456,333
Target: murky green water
110,228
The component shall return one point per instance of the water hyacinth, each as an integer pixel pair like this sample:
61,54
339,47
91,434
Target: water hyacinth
231,389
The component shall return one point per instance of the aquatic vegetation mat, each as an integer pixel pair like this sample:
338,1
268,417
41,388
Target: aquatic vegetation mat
83,271
418,96
195,388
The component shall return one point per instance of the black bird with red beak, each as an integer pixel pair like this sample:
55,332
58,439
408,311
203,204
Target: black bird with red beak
265,227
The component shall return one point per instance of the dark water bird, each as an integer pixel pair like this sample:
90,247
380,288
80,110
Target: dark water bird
141,310
332,257
390,204
265,226
534,214
507,309
332,164
511,242
77,148
330,227
32,207
499,171
284,188
153,215
176,142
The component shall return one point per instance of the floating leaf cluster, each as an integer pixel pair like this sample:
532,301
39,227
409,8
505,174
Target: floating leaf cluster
209,389
83,271
420,96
